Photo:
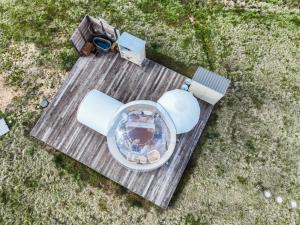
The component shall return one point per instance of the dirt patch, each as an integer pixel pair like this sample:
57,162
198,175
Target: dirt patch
6,94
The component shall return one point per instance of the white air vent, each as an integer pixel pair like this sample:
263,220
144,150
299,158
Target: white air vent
208,86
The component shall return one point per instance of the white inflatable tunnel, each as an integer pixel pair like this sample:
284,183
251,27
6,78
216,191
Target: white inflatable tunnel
97,110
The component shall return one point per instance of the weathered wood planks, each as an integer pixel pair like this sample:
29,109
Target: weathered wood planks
126,82
82,34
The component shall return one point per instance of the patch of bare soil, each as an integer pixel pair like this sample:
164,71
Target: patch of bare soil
6,94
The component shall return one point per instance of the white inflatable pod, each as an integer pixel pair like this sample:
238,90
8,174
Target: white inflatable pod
97,110
182,107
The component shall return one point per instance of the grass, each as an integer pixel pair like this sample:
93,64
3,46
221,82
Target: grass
251,142
191,220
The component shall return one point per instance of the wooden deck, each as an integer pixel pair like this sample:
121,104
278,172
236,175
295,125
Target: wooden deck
126,82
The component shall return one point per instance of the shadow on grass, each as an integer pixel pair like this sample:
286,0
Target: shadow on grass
196,156
171,63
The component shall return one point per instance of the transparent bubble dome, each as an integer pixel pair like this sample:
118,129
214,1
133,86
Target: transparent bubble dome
142,135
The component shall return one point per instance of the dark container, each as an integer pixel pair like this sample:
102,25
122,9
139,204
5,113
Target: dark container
102,44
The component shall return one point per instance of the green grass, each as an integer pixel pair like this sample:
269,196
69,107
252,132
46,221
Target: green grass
251,142
191,220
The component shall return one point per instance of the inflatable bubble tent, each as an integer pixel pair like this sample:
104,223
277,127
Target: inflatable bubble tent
141,135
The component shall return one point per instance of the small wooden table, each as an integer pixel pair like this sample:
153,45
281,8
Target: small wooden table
126,82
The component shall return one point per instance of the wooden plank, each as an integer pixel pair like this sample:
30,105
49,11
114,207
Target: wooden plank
81,35
126,82
102,26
